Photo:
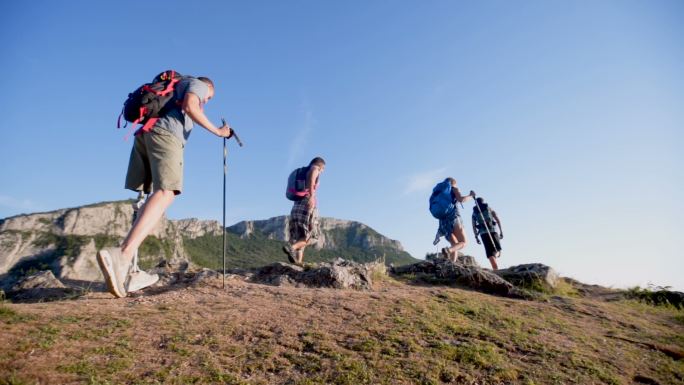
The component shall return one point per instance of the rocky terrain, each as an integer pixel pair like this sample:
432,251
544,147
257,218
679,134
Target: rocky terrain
336,321
274,325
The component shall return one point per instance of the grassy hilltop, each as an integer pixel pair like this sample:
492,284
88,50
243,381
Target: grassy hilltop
399,333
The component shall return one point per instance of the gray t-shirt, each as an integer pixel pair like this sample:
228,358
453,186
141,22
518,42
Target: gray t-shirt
175,120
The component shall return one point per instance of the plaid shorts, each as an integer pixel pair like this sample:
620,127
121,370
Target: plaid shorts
448,224
303,222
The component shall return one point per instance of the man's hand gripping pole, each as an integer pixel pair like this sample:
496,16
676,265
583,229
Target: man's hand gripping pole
233,134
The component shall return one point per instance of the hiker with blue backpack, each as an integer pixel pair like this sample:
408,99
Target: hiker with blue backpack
443,206
166,108
485,222
302,186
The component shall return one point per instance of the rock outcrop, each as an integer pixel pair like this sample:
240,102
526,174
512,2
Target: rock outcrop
339,274
465,272
478,279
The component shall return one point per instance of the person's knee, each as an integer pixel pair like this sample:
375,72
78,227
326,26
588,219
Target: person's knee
167,194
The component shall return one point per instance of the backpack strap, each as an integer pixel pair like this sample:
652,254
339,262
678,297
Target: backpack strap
118,121
169,87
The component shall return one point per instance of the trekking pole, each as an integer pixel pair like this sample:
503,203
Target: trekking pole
225,155
136,207
491,239
225,170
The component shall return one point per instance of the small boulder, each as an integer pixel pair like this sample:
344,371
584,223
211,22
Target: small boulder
40,280
532,275
340,274
277,274
40,287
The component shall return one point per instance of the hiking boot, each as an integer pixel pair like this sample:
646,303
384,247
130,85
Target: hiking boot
113,268
290,253
139,280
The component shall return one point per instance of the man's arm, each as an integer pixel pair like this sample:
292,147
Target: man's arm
191,106
460,198
498,222
311,178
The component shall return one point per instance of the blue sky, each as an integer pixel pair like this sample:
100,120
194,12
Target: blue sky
566,116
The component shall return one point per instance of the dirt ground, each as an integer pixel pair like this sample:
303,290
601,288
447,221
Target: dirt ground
399,333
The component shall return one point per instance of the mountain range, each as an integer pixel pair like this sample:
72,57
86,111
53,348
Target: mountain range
66,241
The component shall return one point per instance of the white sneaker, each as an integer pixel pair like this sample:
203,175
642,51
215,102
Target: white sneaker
139,280
114,270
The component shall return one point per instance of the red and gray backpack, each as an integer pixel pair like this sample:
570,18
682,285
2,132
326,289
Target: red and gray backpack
150,101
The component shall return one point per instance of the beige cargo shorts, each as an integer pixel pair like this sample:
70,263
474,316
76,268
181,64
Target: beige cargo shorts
157,162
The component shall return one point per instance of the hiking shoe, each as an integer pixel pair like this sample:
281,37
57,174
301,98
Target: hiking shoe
114,270
139,280
290,253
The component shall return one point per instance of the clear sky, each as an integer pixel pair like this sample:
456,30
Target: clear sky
567,116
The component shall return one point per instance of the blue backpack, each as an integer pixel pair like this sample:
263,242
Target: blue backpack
441,201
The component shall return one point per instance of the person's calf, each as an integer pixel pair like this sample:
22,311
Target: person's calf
154,209
492,260
299,245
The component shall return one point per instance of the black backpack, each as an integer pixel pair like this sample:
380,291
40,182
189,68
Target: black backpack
151,100
486,212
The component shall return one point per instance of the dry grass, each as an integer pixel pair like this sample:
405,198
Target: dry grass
397,334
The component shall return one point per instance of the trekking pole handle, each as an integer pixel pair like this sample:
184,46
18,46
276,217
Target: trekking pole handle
237,138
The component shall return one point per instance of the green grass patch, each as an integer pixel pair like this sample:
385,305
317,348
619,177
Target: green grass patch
10,316
657,296
45,336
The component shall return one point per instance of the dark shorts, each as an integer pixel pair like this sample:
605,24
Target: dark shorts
490,248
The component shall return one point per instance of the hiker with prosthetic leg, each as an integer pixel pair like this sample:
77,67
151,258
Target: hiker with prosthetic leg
156,164
304,226
485,221
443,206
